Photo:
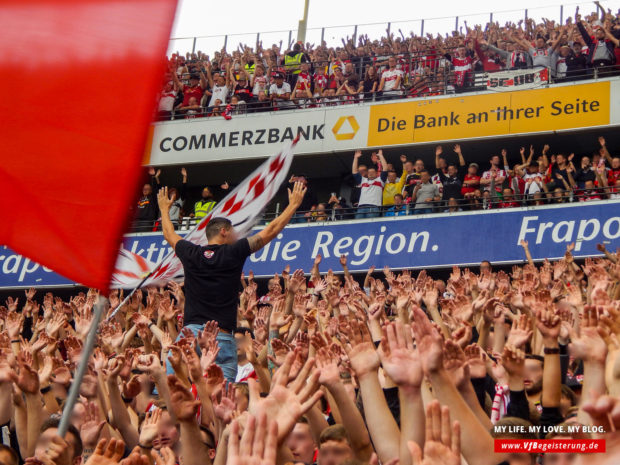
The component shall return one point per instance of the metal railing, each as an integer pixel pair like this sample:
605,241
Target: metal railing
436,79
333,35
484,201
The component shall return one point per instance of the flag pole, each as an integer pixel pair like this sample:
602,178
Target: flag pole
133,291
82,367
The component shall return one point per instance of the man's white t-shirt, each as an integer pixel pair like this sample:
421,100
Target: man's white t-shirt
219,93
371,192
285,89
243,372
166,101
390,77
501,175
531,187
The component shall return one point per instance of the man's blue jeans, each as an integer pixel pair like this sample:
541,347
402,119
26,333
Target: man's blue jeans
367,211
226,357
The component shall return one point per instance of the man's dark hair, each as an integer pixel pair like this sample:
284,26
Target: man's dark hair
242,330
392,171
399,195
12,453
54,422
297,47
454,165
214,226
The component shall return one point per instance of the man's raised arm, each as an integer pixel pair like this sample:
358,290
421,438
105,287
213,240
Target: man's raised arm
263,237
164,202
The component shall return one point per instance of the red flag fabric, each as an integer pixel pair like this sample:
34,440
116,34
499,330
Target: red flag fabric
79,81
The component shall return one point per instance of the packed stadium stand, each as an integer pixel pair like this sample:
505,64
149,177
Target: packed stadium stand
445,247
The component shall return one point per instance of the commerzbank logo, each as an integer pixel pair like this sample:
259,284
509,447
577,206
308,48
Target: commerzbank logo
352,127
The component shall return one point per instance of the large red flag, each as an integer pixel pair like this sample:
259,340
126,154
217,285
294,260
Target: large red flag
79,80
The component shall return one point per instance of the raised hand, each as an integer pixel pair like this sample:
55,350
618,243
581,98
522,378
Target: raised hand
149,363
548,323
520,332
14,323
225,407
442,441
107,453
296,196
92,424
588,346
163,199
258,445
360,349
209,354
327,363
454,362
476,361
26,377
287,403
400,360
429,342
208,334
150,427
513,361
184,406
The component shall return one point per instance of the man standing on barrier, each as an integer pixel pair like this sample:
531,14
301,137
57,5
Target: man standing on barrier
212,272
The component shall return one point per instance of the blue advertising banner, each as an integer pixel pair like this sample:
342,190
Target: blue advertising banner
424,241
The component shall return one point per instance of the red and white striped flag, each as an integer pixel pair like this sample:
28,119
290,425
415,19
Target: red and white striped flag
243,207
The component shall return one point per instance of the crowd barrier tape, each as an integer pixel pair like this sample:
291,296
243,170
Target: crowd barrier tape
424,241
387,123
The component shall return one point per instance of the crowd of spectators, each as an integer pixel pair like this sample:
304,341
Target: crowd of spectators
447,184
389,369
305,75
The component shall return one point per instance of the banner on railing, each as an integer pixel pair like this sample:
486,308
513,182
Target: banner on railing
517,79
427,241
348,127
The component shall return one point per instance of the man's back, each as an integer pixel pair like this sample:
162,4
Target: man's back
212,281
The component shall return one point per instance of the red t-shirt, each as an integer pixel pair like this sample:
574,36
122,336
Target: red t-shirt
613,176
304,81
189,92
508,205
470,188
586,195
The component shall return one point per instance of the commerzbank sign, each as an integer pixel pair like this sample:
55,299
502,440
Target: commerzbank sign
383,124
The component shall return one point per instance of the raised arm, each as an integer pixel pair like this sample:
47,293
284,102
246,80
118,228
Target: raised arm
526,250
383,161
477,442
604,151
352,419
365,362
165,202
266,235
457,150
438,151
356,158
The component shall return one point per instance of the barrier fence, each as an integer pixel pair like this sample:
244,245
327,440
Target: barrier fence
415,241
